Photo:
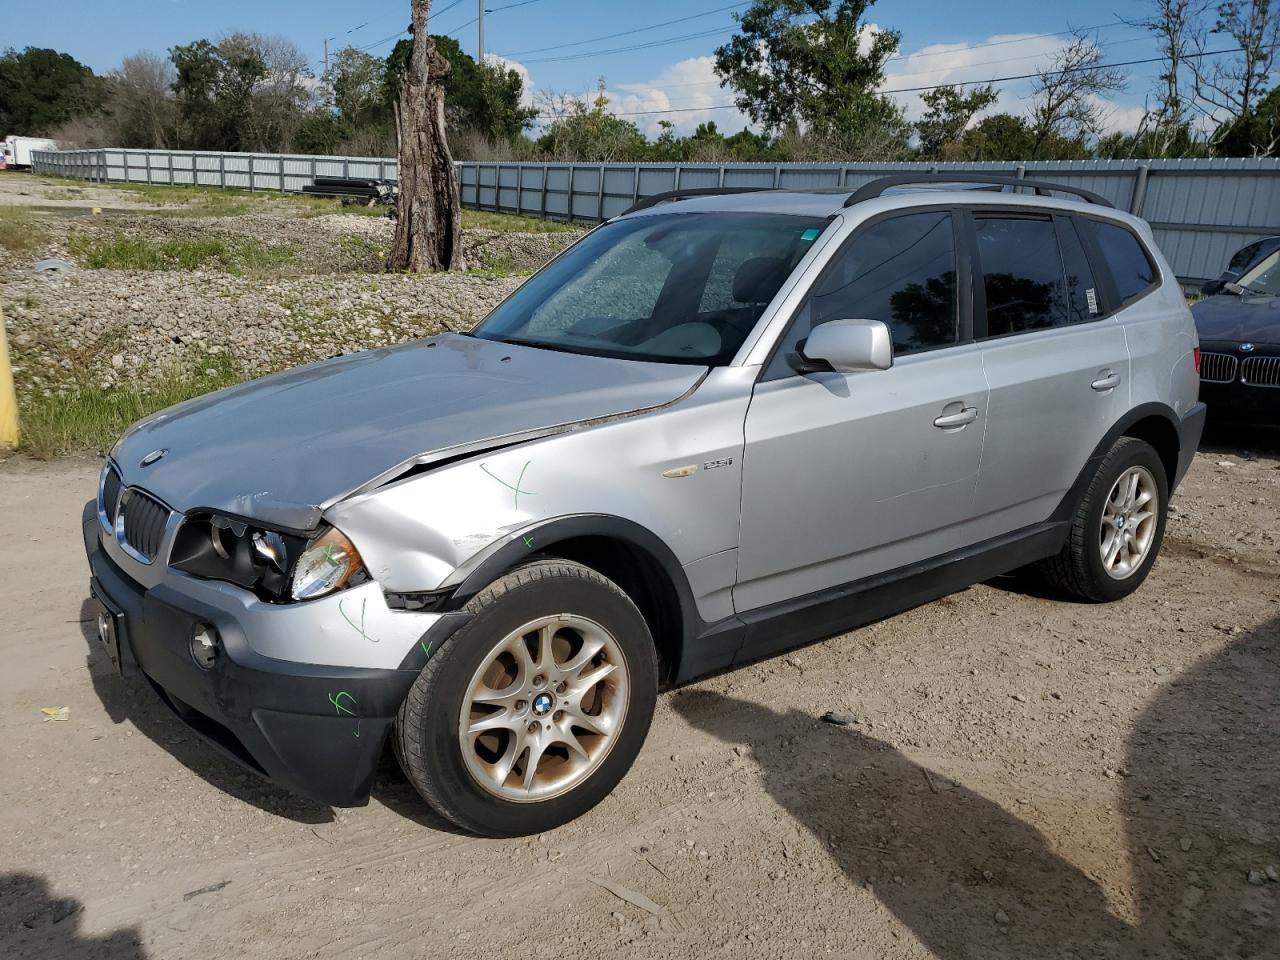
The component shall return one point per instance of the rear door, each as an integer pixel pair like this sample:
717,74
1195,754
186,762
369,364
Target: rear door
848,475
1056,365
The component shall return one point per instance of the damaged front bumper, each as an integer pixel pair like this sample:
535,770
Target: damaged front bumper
315,729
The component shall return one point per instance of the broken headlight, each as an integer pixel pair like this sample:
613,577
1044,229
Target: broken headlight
330,562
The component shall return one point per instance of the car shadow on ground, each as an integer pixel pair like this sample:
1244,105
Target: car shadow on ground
972,879
34,923
1224,436
136,701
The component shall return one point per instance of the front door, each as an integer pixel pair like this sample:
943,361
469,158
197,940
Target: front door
846,476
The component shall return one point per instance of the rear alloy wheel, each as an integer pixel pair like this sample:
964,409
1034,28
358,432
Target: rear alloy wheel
531,713
1117,527
1129,522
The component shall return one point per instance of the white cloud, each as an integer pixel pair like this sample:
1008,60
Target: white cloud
690,86
941,63
997,55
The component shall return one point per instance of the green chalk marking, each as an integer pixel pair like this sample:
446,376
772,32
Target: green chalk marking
340,706
359,628
528,542
517,489
327,553
426,649
810,234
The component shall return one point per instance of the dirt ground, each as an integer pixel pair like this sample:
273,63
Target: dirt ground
1022,778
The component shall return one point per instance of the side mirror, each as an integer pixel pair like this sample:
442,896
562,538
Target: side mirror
851,345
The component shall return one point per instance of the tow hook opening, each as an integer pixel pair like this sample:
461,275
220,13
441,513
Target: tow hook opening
206,646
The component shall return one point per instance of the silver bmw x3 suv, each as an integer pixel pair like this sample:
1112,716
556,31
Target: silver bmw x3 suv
720,425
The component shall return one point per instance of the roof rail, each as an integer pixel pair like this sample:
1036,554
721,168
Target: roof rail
875,188
646,202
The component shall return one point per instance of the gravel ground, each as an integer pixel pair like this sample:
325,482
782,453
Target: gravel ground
1020,778
117,327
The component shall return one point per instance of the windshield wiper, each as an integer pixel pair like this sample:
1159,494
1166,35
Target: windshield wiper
537,344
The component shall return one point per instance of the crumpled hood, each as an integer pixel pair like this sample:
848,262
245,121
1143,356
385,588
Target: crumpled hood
280,450
1238,318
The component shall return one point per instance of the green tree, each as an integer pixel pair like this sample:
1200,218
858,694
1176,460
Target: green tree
815,65
947,116
586,131
41,88
215,87
1256,134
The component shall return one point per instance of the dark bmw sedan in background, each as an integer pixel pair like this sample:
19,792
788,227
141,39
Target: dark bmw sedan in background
1240,346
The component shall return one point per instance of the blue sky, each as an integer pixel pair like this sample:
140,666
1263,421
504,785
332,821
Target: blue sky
941,42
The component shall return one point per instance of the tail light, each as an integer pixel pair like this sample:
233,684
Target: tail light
1195,353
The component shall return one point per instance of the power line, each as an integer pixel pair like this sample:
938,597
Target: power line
958,83
508,6
636,46
627,33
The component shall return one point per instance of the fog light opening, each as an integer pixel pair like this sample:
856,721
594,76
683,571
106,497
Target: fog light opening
206,646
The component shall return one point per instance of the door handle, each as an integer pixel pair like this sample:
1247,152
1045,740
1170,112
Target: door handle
1108,381
951,420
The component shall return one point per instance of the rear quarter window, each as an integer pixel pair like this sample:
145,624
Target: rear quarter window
1131,268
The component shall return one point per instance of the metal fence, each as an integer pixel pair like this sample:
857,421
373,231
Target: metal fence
1201,210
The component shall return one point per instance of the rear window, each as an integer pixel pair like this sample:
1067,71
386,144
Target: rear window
1130,267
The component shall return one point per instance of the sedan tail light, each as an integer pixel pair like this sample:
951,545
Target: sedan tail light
1195,353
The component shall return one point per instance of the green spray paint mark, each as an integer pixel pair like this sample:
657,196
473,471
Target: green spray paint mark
426,648
359,628
528,542
327,553
517,489
810,234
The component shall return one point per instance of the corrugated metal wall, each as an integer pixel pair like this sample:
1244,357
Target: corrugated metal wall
1201,210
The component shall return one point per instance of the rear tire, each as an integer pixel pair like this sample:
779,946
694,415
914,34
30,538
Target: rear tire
532,713
1117,528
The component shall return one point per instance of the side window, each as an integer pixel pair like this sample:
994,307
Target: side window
1022,275
1082,293
901,271
1130,268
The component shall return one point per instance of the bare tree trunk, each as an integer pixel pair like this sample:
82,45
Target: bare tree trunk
429,223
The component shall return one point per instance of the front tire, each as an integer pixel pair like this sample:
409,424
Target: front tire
1117,528
534,711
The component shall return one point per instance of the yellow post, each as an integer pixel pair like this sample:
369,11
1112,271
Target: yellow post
8,399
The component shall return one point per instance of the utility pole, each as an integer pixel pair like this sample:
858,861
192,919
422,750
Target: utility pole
480,54
326,54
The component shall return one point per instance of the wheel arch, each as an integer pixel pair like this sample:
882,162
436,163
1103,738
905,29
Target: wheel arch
1154,423
630,555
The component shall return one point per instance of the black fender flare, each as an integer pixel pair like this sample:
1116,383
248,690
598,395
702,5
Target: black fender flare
534,541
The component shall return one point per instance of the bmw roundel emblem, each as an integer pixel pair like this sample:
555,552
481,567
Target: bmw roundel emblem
152,457
542,704
1246,348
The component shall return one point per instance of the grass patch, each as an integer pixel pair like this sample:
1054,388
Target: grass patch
19,231
510,223
121,252
90,418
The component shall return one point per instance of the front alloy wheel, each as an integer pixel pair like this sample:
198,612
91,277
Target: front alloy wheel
532,712
544,708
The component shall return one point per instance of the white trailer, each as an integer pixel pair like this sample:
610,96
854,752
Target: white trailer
17,150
